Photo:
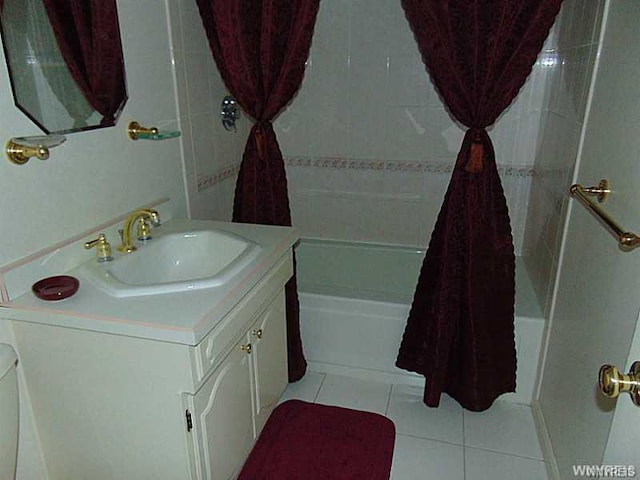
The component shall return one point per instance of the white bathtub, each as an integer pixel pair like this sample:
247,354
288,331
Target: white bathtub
354,303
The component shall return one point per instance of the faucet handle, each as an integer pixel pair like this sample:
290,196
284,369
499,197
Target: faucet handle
103,248
155,218
144,230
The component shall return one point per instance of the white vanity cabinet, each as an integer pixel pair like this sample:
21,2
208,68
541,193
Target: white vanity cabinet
113,407
223,424
268,338
239,396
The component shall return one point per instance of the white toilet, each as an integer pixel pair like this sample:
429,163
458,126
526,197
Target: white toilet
8,412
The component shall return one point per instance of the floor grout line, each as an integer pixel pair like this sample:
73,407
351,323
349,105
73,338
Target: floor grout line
431,439
509,454
386,410
315,397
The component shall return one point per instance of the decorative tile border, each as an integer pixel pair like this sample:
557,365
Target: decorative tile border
516,170
444,166
207,181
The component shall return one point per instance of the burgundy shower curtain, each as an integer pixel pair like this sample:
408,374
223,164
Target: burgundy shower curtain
260,48
88,34
460,331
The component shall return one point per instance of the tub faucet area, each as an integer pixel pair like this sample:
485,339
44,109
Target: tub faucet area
143,214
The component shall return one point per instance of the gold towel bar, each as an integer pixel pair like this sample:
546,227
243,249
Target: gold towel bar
627,240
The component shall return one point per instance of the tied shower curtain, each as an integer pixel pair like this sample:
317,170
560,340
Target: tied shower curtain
460,331
260,48
88,35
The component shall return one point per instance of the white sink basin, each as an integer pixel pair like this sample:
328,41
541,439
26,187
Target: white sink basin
173,262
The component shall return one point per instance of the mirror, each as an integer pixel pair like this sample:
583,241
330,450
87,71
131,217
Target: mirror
66,75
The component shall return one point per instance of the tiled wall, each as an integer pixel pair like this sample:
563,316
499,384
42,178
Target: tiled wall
211,155
369,143
567,62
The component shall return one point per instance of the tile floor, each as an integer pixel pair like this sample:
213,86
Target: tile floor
447,443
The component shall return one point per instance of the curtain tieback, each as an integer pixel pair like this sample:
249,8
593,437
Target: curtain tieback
476,152
261,138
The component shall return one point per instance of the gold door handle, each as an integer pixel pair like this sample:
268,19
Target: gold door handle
612,382
246,348
257,333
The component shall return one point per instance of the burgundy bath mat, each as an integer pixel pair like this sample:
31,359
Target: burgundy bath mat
307,441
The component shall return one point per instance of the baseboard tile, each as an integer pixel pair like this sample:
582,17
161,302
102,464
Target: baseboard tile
545,442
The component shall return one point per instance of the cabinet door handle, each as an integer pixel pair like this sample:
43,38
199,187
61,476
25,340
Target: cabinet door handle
246,348
257,333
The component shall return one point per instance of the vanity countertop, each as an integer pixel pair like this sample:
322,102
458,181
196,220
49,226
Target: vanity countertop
184,317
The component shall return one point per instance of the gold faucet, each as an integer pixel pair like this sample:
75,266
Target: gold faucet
141,214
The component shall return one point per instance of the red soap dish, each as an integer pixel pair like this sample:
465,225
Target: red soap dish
55,288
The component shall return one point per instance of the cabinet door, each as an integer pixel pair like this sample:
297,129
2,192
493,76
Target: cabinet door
269,339
222,418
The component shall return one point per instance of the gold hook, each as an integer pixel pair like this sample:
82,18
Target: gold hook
135,130
21,149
